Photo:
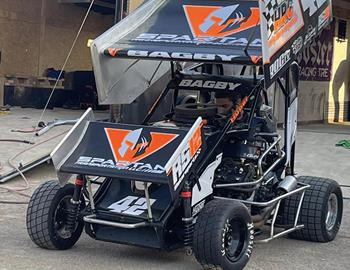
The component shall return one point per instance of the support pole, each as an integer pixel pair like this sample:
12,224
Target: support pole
115,110
148,201
286,118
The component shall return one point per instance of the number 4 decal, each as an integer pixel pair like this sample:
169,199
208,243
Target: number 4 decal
131,205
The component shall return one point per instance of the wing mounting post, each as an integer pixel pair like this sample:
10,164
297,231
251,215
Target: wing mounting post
252,33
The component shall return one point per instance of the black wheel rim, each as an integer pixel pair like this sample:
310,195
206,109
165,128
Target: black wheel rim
60,218
235,239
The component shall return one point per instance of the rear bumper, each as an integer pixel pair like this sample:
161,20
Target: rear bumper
93,220
142,234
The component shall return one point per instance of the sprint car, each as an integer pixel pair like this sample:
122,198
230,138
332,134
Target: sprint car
206,169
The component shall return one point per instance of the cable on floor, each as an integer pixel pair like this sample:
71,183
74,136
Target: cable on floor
18,190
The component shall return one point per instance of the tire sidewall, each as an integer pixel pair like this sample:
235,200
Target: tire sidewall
243,215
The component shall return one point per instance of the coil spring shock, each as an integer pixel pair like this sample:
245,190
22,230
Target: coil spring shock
74,205
72,215
188,234
186,195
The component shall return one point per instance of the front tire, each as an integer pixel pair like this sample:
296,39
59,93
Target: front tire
321,211
47,213
223,235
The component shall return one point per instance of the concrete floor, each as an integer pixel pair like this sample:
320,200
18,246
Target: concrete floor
26,119
316,155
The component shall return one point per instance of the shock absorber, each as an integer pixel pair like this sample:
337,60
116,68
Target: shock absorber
74,205
186,195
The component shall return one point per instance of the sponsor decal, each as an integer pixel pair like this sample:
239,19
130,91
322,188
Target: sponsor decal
186,39
131,205
186,158
197,208
238,110
134,145
214,25
119,165
324,17
282,19
311,32
254,156
316,60
182,166
312,6
180,55
279,63
297,45
129,148
285,33
278,14
113,51
251,239
220,21
209,84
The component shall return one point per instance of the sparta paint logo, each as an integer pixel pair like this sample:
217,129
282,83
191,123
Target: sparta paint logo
134,145
218,21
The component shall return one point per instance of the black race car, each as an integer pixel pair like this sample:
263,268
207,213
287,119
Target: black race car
207,169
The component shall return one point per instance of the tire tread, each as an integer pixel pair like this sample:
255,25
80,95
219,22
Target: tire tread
38,208
311,209
207,233
40,213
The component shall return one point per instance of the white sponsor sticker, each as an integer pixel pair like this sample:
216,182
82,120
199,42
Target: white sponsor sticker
131,205
279,63
209,84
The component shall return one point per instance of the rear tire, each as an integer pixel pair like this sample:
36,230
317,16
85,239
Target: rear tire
321,211
46,216
223,236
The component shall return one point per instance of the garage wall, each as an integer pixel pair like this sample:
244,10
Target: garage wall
37,34
312,101
20,33
338,102
330,101
133,4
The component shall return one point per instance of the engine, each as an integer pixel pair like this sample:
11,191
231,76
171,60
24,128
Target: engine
239,165
241,152
234,171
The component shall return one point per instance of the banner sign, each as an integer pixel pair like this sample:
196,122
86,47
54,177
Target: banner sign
287,27
316,60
